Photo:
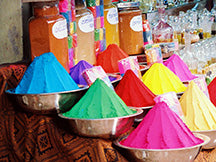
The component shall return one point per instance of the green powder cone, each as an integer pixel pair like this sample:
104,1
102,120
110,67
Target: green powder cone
99,102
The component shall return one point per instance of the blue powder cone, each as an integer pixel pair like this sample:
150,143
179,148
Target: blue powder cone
76,72
45,75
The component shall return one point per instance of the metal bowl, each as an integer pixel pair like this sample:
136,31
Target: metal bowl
114,78
143,69
179,94
212,135
187,154
46,103
140,117
105,128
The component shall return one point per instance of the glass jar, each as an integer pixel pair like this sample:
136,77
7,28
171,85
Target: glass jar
162,31
111,22
189,57
130,27
48,32
85,33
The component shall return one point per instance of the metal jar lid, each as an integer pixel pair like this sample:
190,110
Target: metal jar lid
128,5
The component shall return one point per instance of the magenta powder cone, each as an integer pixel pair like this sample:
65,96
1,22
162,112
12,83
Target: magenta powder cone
76,72
177,66
161,128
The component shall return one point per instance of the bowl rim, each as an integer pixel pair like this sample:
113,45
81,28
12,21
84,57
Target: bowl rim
143,108
204,131
10,91
205,139
138,112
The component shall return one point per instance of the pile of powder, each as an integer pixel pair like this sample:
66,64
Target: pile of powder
100,101
212,91
161,128
159,79
133,91
178,67
108,59
199,112
45,75
76,72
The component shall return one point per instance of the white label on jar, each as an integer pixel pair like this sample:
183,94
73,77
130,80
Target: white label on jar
136,23
86,23
59,29
112,16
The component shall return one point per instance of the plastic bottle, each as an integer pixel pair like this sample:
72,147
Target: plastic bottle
111,23
130,28
48,32
85,34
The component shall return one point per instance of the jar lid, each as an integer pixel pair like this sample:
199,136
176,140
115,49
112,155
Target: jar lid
128,5
42,4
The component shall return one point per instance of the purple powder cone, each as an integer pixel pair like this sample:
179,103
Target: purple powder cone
76,72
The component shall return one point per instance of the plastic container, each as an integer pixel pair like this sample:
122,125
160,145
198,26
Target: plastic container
48,32
85,34
130,28
111,23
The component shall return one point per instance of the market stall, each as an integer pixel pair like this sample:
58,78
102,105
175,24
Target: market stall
98,78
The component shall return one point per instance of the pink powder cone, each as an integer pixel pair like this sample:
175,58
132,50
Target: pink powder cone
161,128
177,66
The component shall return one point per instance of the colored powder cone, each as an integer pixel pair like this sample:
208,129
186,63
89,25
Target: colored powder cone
178,67
161,128
199,112
212,90
100,101
159,79
76,72
134,92
45,75
109,58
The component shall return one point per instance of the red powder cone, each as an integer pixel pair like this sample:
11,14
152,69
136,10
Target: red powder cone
134,92
212,90
108,59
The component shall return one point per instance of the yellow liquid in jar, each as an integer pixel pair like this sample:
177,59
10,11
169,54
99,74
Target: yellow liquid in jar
213,60
112,30
194,71
206,35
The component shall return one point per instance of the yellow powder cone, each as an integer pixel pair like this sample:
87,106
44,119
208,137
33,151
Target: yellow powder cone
159,79
200,113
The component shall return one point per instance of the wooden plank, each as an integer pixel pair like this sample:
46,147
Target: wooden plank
11,46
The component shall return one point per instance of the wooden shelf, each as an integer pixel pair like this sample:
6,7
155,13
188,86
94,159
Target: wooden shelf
25,1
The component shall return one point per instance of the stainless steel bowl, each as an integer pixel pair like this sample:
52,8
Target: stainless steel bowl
105,128
212,135
143,69
114,78
46,103
140,117
187,154
179,94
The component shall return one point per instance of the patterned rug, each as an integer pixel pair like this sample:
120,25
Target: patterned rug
25,136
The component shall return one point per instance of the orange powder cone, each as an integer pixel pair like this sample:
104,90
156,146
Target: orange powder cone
109,58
